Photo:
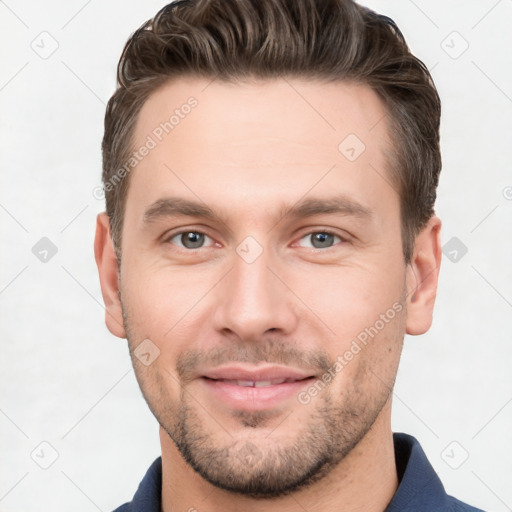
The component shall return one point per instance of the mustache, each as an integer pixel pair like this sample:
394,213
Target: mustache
273,351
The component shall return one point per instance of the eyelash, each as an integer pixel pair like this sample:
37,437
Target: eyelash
325,231
180,233
309,233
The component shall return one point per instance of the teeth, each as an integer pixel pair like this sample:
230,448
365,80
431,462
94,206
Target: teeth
245,383
258,383
278,381
262,383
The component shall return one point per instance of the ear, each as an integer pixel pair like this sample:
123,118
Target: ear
108,270
422,277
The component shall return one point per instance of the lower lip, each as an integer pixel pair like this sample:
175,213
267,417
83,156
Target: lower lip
250,398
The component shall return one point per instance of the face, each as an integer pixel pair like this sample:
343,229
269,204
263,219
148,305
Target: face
262,271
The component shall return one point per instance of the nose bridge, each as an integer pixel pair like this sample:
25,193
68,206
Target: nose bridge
253,301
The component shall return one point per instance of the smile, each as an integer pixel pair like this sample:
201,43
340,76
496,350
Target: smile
256,383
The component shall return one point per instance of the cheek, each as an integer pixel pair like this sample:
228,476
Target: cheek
369,361
162,308
163,304
363,318
347,299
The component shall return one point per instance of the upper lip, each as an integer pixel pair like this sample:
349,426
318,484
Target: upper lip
266,373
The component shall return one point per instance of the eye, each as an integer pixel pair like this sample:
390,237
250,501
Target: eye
190,240
319,240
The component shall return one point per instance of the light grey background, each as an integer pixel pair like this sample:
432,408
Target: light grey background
67,382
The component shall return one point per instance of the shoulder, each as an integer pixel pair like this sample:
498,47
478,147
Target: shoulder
127,507
147,497
419,485
459,506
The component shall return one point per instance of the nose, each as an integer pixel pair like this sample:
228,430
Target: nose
253,301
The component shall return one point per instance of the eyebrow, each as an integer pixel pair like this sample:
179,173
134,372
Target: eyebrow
174,206
341,205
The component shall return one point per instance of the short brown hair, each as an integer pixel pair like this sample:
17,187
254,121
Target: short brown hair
318,39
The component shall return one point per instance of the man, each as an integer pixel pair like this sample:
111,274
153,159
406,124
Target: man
270,170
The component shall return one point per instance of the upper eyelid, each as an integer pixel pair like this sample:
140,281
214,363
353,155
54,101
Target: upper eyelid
169,237
325,230
171,233
297,237
331,231
342,238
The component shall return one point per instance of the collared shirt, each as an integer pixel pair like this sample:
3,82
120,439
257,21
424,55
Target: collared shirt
420,489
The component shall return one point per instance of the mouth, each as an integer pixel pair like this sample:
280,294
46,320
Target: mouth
248,375
258,383
253,389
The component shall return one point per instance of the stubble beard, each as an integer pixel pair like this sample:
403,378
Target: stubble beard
251,468
254,466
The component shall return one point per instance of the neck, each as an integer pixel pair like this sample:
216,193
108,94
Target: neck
366,479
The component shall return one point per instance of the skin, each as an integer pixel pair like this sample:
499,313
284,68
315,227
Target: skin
249,152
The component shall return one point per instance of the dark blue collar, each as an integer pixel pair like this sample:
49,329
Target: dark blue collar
420,488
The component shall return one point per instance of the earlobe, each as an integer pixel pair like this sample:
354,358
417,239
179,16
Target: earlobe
422,278
109,276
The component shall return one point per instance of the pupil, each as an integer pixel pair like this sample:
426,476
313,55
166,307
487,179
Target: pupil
320,240
192,240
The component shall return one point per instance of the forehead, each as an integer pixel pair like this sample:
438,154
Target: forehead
260,141
264,107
